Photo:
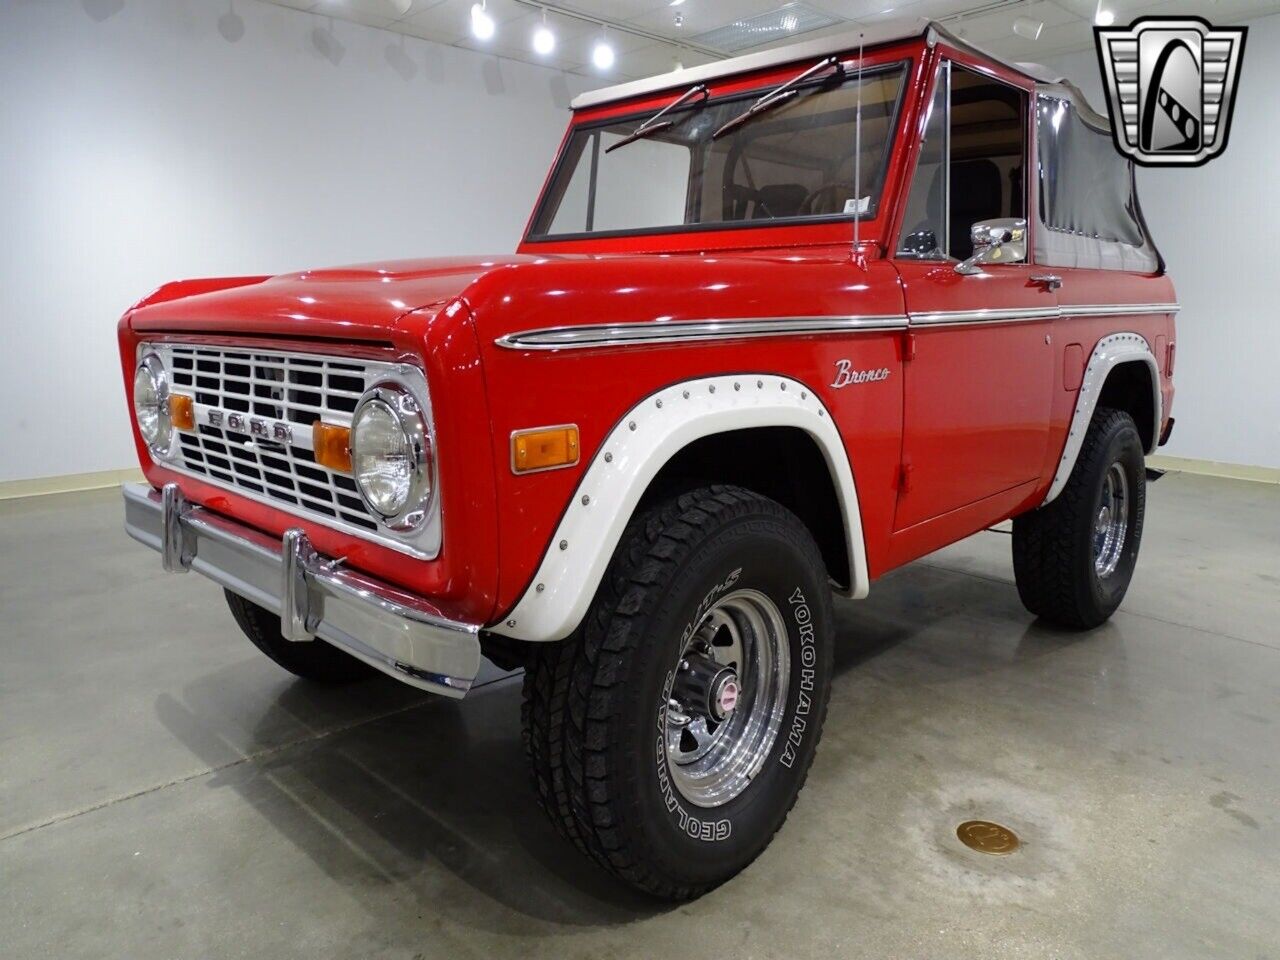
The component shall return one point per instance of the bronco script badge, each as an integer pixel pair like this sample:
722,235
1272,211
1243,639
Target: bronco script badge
845,375
1171,86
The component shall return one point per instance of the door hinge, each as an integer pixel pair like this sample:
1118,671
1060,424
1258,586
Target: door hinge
908,346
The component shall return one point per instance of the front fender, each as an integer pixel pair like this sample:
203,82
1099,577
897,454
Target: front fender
643,441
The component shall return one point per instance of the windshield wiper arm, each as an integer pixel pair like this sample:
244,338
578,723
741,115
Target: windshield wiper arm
778,95
656,123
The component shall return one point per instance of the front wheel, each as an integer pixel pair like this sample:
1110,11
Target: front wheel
670,736
310,659
1074,558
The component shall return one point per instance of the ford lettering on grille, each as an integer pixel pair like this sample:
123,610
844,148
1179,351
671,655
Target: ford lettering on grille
254,413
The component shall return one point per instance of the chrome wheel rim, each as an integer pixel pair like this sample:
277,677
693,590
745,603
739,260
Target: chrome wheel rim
740,646
1112,523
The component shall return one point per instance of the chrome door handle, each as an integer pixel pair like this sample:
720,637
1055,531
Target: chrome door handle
1050,281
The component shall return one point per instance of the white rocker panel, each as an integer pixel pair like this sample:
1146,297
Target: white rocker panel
644,440
1108,354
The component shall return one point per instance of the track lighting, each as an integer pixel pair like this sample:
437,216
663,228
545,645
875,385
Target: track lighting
482,25
544,39
603,56
1028,28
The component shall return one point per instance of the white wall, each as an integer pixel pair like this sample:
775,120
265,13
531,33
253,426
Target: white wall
1218,227
139,144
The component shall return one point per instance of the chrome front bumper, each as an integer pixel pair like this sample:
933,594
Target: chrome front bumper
382,625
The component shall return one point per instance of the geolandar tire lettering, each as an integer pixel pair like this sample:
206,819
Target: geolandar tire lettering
671,734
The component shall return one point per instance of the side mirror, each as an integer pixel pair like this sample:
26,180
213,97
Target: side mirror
995,241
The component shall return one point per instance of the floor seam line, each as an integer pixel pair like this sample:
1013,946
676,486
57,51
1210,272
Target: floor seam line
178,781
1127,613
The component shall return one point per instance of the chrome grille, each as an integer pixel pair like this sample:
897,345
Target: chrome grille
286,393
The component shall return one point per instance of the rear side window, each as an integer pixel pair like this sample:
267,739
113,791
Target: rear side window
1086,188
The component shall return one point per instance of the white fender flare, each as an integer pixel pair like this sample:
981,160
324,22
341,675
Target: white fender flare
1109,353
644,440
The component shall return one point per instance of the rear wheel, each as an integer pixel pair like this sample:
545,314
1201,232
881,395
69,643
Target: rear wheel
1073,559
670,736
311,659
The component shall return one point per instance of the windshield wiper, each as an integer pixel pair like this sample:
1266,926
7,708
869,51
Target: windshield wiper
778,95
656,123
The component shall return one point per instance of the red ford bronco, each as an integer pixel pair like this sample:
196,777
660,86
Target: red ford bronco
777,325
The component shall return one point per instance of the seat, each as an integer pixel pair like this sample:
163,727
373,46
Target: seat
776,200
976,194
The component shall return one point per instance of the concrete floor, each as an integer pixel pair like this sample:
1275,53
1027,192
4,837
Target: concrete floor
166,791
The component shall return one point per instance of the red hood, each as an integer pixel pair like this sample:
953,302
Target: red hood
361,302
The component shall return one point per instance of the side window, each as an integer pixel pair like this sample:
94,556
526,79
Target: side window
924,228
972,164
988,154
1086,187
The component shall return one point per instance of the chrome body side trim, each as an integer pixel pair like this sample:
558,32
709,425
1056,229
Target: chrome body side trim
1042,313
386,627
643,441
1109,353
1118,309
600,335
1024,315
682,331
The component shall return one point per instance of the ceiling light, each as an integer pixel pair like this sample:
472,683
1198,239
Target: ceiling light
544,38
602,55
1028,28
482,25
1104,18
675,3
784,23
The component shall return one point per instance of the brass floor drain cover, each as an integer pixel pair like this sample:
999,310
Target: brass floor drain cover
987,837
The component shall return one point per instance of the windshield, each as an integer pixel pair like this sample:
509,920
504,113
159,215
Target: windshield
792,162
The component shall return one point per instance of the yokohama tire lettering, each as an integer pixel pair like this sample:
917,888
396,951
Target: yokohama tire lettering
808,660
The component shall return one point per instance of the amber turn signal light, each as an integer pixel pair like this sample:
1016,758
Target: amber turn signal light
544,448
331,446
182,411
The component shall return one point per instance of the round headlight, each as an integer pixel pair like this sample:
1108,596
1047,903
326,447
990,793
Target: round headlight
151,404
391,457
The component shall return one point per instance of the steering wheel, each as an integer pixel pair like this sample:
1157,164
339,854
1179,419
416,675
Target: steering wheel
832,187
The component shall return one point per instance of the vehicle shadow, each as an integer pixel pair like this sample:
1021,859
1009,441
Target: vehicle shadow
411,801
425,805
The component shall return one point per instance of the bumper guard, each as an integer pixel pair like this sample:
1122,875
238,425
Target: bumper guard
397,632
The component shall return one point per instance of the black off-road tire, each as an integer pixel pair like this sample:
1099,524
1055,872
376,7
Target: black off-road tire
595,704
312,660
1053,547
